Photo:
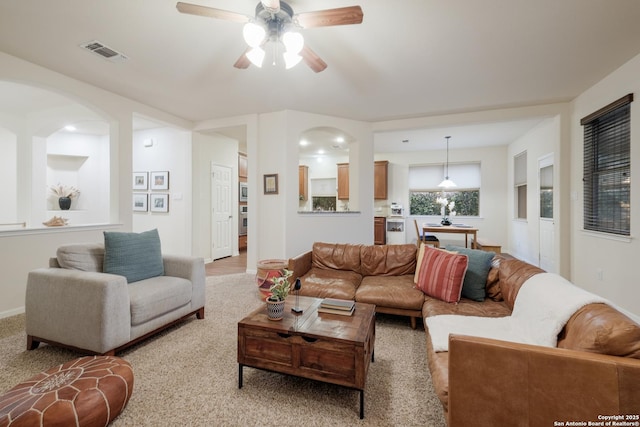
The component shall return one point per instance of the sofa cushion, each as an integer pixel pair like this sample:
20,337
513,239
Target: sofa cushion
324,283
439,370
336,256
493,279
390,291
475,279
441,274
387,260
599,328
420,257
150,298
513,273
136,256
465,307
81,256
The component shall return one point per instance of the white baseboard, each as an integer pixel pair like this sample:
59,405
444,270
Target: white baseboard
10,313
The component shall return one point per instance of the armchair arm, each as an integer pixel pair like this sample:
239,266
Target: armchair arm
502,383
300,265
82,309
192,269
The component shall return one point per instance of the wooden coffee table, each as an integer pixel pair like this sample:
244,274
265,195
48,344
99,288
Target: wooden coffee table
324,347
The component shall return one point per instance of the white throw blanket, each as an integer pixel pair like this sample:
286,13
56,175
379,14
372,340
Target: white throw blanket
543,306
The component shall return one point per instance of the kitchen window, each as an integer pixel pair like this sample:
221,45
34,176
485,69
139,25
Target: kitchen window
424,191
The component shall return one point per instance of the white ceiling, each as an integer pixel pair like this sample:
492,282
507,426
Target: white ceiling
408,58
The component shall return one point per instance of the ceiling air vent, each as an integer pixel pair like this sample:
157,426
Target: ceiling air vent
104,51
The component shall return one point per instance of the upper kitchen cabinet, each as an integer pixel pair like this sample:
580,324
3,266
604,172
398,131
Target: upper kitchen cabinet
380,174
303,182
343,181
243,165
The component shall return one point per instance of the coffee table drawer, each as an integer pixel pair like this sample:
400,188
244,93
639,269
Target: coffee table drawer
314,358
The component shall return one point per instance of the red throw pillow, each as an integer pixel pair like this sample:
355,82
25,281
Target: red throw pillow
442,274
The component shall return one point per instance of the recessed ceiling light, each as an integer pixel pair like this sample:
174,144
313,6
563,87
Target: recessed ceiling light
70,128
320,151
304,142
340,139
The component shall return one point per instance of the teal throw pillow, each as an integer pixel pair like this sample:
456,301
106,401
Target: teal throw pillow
136,256
475,280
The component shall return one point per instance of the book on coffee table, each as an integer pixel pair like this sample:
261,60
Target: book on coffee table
338,304
341,312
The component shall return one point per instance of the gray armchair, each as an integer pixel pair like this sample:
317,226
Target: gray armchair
74,304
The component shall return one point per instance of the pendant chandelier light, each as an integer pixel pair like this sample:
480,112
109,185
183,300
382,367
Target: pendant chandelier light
447,183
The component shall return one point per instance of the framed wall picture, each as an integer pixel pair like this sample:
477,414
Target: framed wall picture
159,203
140,202
160,180
271,184
140,181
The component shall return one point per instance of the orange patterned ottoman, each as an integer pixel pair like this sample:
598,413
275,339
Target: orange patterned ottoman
89,391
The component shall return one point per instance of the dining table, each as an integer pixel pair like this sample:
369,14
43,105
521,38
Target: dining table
454,229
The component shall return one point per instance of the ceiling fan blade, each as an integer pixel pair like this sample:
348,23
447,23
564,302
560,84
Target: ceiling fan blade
326,18
312,59
271,6
210,12
243,62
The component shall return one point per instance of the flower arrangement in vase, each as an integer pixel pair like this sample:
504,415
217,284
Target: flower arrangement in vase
445,204
64,194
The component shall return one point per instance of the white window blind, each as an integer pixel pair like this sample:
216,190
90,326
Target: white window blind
427,177
520,169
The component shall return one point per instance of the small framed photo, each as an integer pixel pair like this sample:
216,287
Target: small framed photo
271,184
159,203
140,181
160,180
140,202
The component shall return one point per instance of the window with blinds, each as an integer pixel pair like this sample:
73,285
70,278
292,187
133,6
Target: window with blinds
520,183
607,168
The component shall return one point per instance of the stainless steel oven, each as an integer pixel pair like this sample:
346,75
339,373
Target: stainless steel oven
243,194
242,220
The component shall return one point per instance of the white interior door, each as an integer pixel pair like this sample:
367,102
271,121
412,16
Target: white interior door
547,227
221,211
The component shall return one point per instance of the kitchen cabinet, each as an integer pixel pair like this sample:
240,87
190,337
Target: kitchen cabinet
379,230
243,165
303,182
380,174
380,180
343,181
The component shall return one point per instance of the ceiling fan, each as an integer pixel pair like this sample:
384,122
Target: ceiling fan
275,21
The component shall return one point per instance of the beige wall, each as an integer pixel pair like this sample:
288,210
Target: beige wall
23,251
272,147
606,264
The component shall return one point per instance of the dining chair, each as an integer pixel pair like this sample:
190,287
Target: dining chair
429,239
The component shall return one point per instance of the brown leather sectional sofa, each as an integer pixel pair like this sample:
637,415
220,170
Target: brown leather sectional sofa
374,274
592,376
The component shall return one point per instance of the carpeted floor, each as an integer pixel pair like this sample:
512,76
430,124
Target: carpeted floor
188,375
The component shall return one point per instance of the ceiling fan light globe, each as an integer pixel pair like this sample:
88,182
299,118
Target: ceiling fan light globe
253,34
293,41
447,183
291,59
256,56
